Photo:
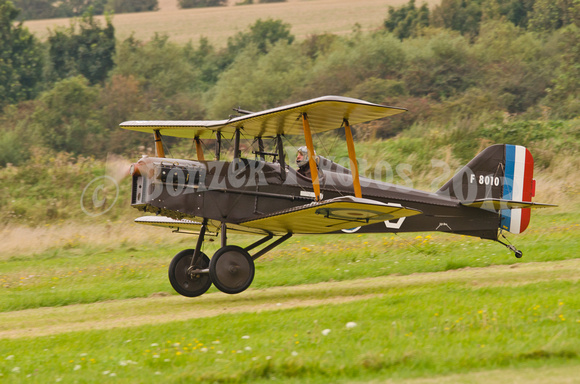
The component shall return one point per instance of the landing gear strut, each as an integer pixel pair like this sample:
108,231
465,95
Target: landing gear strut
188,271
231,269
512,248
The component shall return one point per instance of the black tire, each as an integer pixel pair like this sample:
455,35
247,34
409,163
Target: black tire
232,269
182,281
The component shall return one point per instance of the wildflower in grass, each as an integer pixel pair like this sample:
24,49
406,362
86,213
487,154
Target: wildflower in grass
294,353
325,332
77,367
10,357
350,325
16,369
245,337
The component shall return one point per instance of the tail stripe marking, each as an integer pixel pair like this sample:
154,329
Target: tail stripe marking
518,171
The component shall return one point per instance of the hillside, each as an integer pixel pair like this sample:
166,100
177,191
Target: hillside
217,24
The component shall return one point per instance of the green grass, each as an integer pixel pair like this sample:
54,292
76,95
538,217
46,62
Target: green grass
414,330
521,317
86,274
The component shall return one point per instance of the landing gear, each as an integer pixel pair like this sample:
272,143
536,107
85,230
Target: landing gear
516,251
232,269
187,277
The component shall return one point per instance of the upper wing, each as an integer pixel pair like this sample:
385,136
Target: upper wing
329,216
324,113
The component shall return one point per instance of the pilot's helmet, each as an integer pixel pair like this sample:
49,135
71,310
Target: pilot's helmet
304,160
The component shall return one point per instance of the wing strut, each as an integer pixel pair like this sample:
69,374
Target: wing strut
218,145
311,159
159,152
237,144
198,149
281,159
352,157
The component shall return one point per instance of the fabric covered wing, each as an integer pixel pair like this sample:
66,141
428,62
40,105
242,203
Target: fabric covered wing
329,216
194,226
324,113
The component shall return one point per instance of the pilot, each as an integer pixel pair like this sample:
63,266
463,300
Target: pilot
302,162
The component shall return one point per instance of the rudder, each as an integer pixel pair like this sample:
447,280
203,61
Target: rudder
499,172
518,185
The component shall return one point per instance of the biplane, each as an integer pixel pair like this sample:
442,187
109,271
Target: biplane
266,196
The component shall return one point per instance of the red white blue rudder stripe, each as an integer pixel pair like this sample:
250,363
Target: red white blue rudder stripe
518,186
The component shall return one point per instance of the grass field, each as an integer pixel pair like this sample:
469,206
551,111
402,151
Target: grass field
218,23
419,307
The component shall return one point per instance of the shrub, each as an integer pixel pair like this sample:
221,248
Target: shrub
184,4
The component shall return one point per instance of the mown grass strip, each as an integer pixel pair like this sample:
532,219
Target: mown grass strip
134,312
416,330
87,275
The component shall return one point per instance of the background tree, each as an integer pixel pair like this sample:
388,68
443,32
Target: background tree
66,117
184,4
407,19
263,34
126,6
458,15
36,9
20,58
88,53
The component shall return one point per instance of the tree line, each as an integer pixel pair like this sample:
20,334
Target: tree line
49,9
69,94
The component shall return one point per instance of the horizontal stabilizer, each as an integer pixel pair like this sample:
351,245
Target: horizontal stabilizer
499,204
330,215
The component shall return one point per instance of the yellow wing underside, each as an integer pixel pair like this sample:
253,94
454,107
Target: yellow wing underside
330,216
324,113
315,218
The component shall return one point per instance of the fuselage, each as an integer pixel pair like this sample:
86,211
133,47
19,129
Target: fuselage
236,191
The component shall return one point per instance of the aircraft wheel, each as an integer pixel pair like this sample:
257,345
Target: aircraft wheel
185,283
232,269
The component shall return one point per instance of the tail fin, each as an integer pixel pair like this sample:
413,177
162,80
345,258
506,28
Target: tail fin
502,173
